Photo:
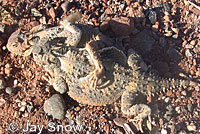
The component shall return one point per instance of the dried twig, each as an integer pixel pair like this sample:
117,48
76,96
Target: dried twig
194,5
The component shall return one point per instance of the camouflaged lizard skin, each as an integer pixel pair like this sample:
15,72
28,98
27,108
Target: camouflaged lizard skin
119,80
122,77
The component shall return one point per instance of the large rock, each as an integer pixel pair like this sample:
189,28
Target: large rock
55,106
174,54
137,12
122,26
143,41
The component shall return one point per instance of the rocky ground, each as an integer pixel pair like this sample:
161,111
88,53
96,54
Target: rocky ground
166,33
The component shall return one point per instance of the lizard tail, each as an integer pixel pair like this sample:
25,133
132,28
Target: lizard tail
172,83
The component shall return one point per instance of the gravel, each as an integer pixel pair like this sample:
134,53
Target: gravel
160,36
9,90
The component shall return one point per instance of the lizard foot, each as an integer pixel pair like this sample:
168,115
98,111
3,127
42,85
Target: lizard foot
58,82
142,111
94,77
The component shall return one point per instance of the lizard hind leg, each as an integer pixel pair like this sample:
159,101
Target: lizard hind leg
131,106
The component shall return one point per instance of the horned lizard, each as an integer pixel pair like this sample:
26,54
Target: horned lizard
126,79
111,74
41,40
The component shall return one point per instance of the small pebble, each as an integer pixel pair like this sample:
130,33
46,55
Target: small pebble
191,127
8,71
169,107
25,114
189,106
168,112
173,1
184,110
2,101
4,48
43,20
166,7
197,88
193,42
106,128
2,83
9,90
23,103
15,82
167,117
140,1
22,109
152,17
163,131
176,30
16,114
188,53
178,109
184,93
79,120
29,108
167,99
182,132
77,109
148,3
35,12
175,36
2,28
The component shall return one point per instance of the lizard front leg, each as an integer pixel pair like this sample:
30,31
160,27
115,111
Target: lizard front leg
92,48
55,78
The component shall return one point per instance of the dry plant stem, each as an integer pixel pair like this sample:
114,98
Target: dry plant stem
194,5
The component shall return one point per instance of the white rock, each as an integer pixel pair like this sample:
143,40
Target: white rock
191,128
2,101
15,82
22,109
163,131
178,109
188,53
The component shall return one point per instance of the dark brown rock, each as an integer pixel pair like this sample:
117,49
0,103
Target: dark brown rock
122,26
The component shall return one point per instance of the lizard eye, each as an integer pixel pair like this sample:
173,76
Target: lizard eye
15,44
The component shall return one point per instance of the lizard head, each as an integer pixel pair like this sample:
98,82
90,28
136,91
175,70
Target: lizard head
18,43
